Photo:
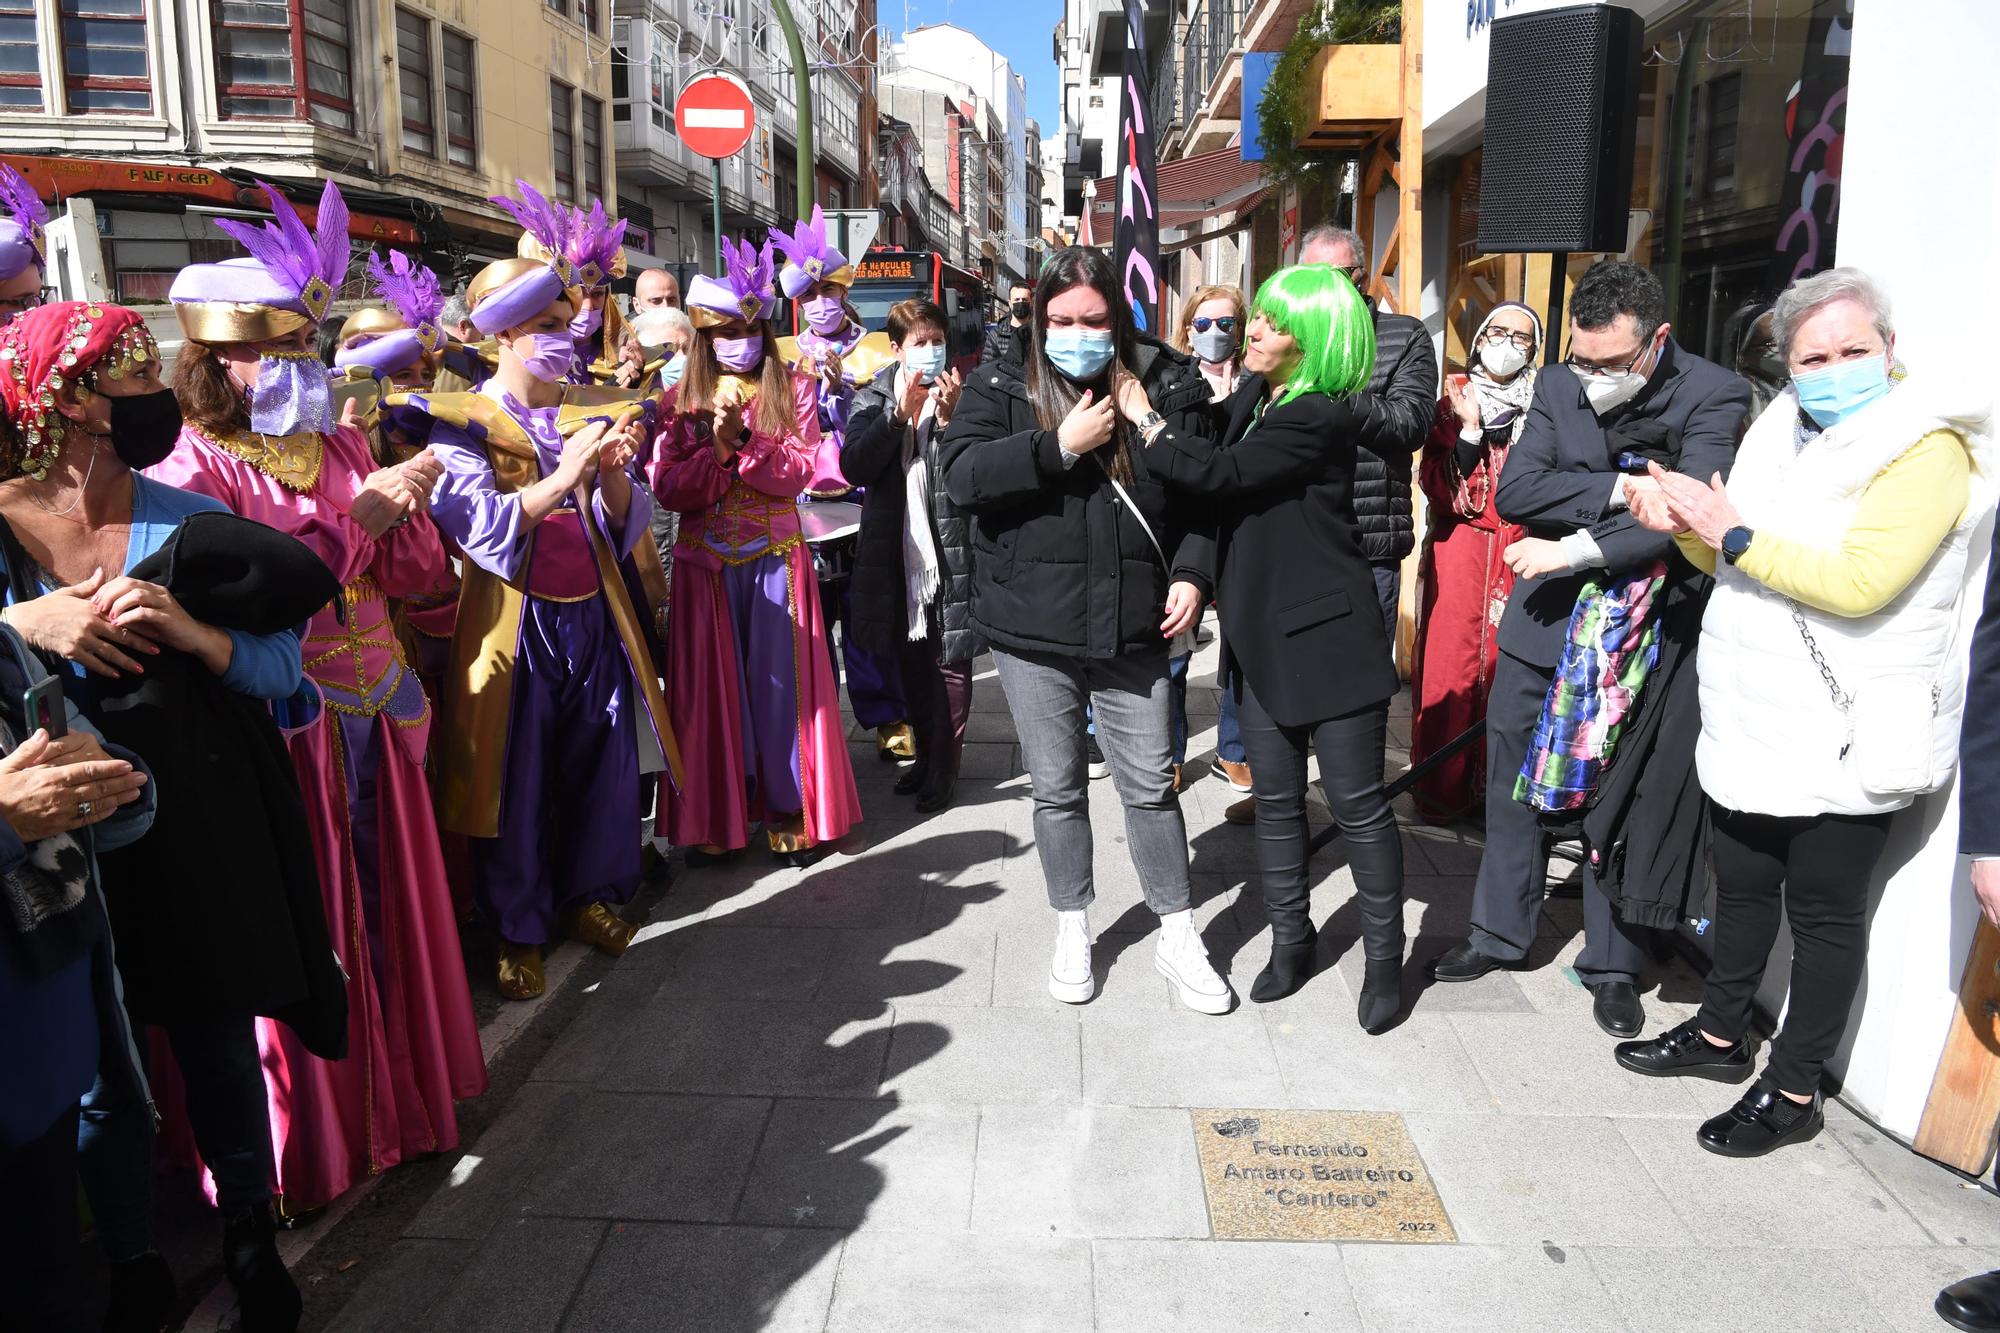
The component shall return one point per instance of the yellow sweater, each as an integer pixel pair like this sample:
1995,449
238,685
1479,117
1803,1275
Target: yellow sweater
1902,516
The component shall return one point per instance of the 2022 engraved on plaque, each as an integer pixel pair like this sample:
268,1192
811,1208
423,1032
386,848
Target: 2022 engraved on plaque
1316,1175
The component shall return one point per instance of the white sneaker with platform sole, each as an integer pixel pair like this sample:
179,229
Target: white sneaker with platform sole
1071,979
1182,958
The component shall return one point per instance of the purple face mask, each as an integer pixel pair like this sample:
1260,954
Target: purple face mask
293,393
739,354
586,323
548,356
824,314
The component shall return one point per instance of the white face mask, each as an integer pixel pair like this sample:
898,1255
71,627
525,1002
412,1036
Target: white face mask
1608,393
1502,359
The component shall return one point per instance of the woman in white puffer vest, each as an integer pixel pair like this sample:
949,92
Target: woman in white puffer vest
1832,671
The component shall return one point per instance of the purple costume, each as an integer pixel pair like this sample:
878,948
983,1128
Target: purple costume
571,789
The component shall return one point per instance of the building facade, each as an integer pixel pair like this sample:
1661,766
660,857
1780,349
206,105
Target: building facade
138,123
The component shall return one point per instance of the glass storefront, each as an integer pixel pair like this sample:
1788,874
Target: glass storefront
1743,110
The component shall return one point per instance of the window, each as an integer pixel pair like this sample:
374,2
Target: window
621,70
20,61
562,138
413,76
461,134
587,11
1722,99
593,147
260,45
105,62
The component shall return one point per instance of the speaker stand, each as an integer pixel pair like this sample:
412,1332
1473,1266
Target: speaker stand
1552,324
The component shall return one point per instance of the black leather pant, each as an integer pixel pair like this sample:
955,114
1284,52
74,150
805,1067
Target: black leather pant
1350,766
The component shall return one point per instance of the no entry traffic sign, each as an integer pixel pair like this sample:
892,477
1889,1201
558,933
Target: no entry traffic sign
714,115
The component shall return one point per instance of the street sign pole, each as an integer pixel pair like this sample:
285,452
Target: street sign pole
715,206
802,85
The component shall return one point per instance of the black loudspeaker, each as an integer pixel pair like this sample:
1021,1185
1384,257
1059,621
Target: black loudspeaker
1562,120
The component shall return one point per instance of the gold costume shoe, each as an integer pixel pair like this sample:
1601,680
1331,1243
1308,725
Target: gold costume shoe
791,846
521,971
895,742
601,928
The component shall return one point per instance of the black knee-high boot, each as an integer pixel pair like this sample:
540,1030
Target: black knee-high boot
1294,943
1376,857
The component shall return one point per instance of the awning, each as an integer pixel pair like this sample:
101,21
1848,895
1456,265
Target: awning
1191,189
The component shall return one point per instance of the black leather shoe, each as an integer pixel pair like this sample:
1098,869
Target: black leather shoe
1683,1050
912,781
1464,962
1617,1009
1973,1305
1764,1119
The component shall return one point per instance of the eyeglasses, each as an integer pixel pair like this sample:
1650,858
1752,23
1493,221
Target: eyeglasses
21,305
1524,341
1608,371
1227,323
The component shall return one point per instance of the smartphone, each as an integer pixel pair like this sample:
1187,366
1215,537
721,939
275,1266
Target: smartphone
46,709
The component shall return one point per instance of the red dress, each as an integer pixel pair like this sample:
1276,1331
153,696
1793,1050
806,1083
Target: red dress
1464,585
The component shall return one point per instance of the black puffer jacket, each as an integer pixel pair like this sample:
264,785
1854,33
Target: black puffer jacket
1059,565
871,457
1396,415
1004,342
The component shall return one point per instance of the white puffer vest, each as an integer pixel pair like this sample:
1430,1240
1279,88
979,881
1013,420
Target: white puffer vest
1771,735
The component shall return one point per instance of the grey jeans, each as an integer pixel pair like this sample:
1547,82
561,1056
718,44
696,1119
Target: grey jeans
1131,699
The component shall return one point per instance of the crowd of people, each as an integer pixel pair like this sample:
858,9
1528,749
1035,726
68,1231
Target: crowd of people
467,605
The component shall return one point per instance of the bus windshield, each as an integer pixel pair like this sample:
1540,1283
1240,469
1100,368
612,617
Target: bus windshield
872,297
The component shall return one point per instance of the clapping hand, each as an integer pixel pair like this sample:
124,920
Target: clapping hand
944,392
581,454
1705,510
1532,557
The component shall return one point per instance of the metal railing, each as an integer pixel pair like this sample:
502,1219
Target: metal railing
1208,44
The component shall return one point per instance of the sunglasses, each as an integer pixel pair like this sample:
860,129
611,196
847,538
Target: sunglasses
1227,323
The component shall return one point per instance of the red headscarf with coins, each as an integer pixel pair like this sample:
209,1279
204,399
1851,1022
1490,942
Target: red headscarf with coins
47,349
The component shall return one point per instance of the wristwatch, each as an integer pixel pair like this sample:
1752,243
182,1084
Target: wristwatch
1149,425
1735,542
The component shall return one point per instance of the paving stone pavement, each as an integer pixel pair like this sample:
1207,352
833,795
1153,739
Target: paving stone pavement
841,1100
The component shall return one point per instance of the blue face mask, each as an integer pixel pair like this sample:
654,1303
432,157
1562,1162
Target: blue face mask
925,362
1081,354
670,373
1832,395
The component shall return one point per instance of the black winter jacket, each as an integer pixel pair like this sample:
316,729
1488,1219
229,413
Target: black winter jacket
1396,414
1004,342
1298,607
1059,565
871,457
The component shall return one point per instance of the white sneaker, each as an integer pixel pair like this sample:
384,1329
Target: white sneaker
1182,958
1071,979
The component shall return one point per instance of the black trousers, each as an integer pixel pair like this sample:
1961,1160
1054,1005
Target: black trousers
1514,872
937,696
41,1279
1816,871
1350,767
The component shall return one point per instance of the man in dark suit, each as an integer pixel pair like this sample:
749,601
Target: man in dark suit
1562,482
1974,1304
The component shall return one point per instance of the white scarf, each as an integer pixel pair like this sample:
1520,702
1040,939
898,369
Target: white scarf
920,555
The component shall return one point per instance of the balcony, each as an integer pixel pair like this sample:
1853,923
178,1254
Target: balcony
1216,36
1104,54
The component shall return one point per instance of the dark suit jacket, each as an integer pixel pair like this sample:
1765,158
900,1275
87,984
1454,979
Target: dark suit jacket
1979,734
1300,619
1558,479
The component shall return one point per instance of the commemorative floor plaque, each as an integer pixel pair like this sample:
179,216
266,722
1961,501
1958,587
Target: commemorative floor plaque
1316,1175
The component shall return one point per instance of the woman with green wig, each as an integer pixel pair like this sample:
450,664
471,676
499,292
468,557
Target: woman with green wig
1305,654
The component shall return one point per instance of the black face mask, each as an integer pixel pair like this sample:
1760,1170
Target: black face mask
144,427
1023,309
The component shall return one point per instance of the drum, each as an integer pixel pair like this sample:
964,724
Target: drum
832,528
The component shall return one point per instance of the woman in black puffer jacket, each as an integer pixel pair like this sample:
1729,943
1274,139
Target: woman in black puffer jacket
1080,594
911,590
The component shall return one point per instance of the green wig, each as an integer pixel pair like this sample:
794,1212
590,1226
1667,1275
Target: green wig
1318,306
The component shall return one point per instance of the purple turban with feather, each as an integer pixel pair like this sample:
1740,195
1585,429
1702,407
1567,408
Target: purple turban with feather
412,291
744,292
516,299
810,258
22,241
291,277
595,245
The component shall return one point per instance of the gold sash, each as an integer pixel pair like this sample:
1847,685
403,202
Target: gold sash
471,744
